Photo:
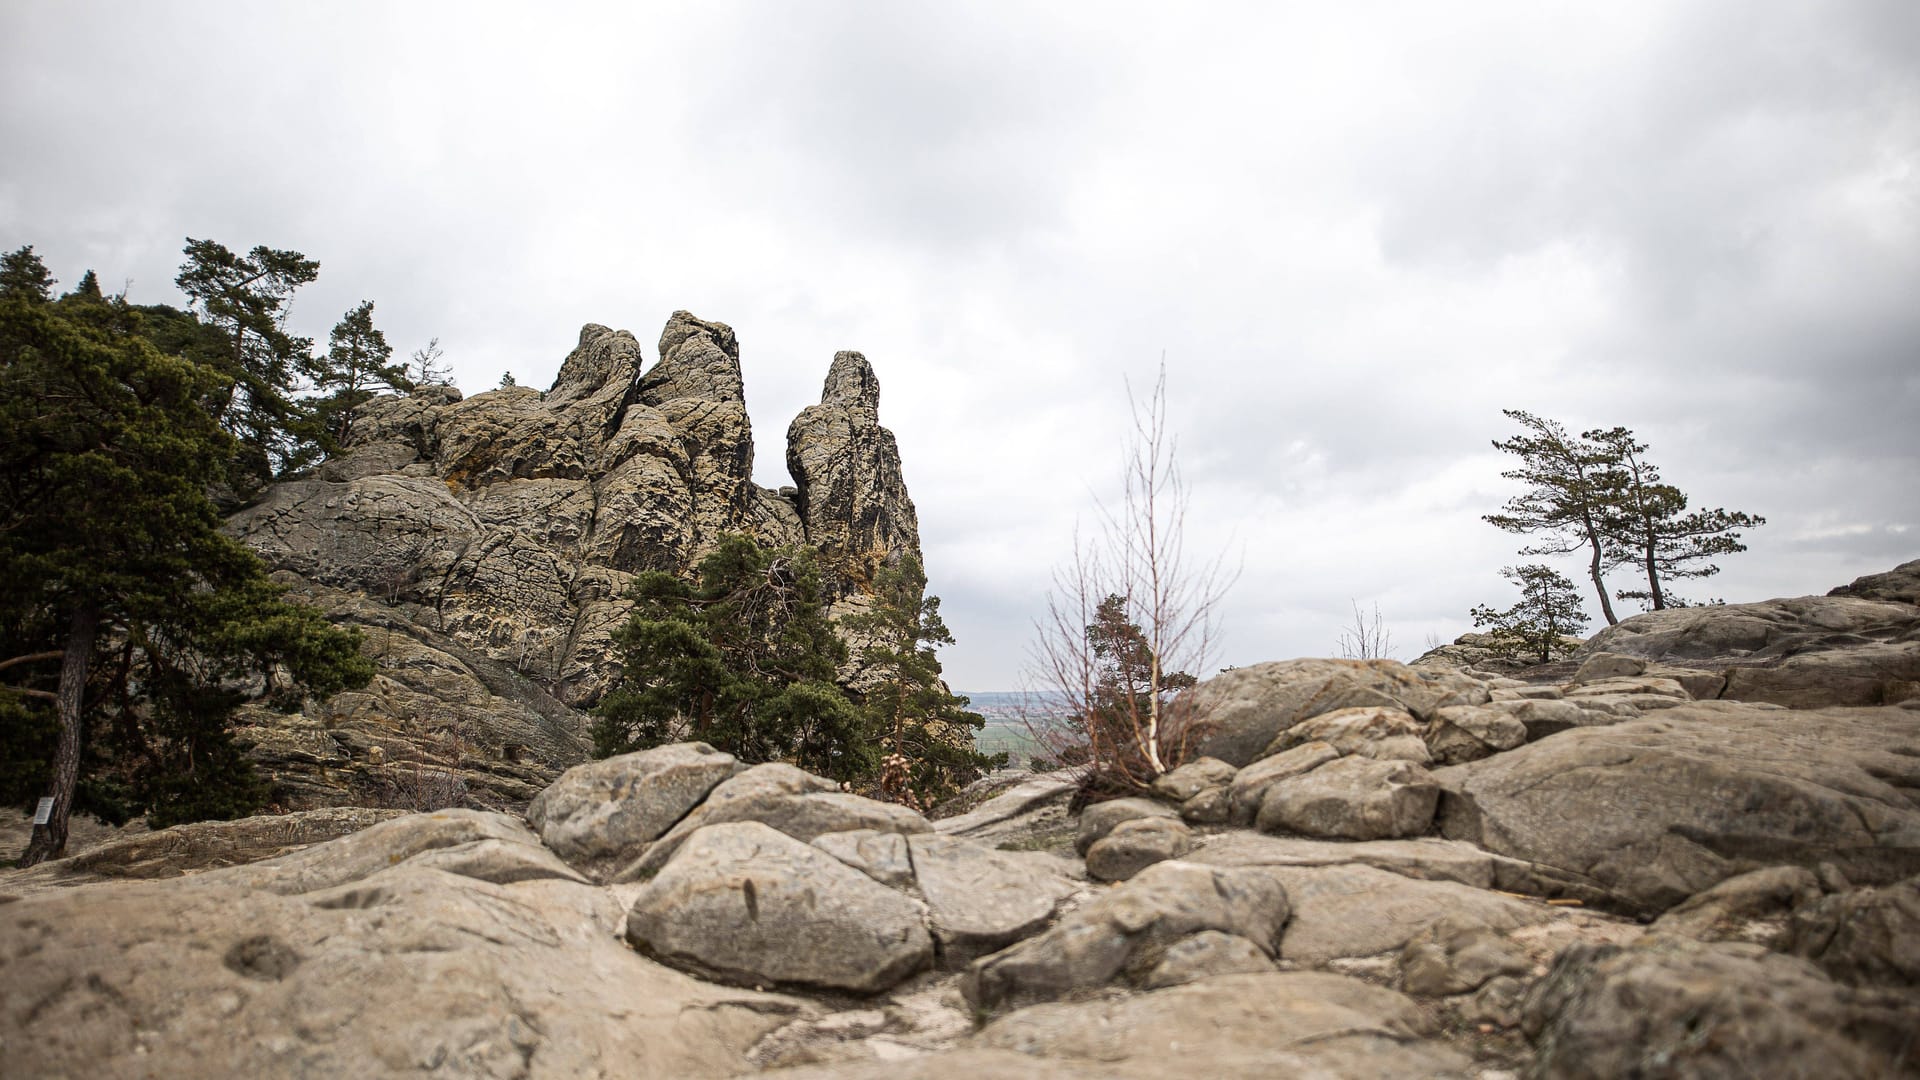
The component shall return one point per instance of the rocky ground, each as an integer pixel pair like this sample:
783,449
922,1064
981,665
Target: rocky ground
1693,851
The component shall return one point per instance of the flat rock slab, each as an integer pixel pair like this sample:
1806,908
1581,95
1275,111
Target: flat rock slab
744,903
406,971
1426,858
489,840
1341,911
1296,1023
1622,808
1009,804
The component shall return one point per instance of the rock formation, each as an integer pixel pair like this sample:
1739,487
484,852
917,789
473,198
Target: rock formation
485,545
1614,871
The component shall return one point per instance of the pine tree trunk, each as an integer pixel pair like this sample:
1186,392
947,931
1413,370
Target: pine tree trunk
50,840
1600,586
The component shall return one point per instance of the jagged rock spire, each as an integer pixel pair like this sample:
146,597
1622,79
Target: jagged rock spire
852,498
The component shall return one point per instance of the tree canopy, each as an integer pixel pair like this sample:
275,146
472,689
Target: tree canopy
357,365
1548,611
746,659
130,625
1598,494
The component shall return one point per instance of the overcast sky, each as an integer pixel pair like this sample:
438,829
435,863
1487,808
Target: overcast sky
1356,232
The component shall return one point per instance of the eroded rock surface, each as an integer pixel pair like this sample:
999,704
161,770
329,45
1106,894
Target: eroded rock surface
485,545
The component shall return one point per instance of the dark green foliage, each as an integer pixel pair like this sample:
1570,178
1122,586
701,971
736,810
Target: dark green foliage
924,727
24,277
744,659
112,562
1549,609
1649,527
357,365
246,298
1572,487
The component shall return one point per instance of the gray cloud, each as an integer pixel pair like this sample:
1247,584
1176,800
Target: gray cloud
1355,234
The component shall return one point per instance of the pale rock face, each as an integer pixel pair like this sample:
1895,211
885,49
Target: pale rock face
853,500
1620,807
508,526
1123,933
1385,734
1354,798
1135,845
1247,709
741,903
611,809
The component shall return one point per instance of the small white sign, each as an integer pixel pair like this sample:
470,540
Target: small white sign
44,812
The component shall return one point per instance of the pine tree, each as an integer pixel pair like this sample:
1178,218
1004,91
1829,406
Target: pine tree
425,369
23,276
1648,525
1549,609
247,298
129,620
355,367
1573,487
745,660
924,727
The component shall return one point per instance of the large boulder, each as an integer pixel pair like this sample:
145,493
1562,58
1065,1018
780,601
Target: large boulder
979,899
1852,648
785,798
1123,934
1866,937
1135,845
1621,810
1374,731
1247,708
612,809
743,903
1354,798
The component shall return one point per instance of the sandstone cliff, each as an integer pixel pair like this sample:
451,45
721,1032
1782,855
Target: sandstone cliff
486,543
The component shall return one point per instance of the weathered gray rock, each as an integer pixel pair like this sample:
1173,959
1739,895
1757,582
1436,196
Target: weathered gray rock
1900,585
1606,665
791,800
1022,798
742,903
1250,785
1461,733
1123,933
882,856
1247,708
407,969
1205,955
472,836
979,899
1192,778
1711,1010
1214,806
1620,807
1134,845
1457,956
203,845
1426,858
612,809
1864,937
1383,733
1354,910
852,499
1277,1024
1753,907
1356,798
1805,652
503,530
1099,819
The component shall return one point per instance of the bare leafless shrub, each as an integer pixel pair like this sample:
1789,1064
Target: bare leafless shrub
1368,638
1127,621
